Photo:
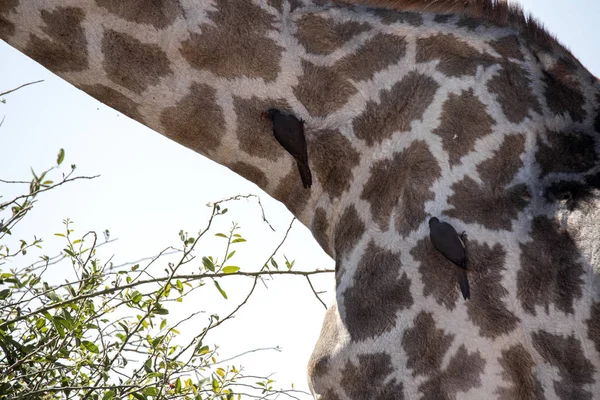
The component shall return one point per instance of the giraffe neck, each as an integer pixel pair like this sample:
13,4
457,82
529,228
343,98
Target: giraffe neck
165,66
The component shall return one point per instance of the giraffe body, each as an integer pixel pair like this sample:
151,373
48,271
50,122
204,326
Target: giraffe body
484,120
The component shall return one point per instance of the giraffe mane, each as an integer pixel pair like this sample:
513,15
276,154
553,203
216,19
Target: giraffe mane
499,12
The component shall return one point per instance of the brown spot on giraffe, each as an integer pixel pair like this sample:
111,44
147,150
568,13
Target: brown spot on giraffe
593,324
518,370
437,273
442,18
250,172
6,6
131,63
425,345
322,90
464,120
7,28
563,91
566,354
255,135
365,380
512,88
333,158
566,152
67,49
550,272
348,231
365,317
319,35
491,203
319,229
389,17
462,374
114,99
376,54
405,102
291,192
196,121
508,47
456,58
231,53
469,23
158,13
487,310
391,185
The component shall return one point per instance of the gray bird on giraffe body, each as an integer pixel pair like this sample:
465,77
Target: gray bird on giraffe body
289,132
448,242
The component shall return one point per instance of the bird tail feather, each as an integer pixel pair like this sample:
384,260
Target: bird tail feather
463,282
305,173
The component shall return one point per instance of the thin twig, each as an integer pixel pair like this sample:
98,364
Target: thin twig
314,291
45,189
4,181
247,352
22,86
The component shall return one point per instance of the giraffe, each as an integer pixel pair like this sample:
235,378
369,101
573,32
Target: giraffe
463,110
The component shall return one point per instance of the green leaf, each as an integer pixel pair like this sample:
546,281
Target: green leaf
139,396
203,350
150,391
238,240
61,156
221,235
163,324
136,297
135,267
161,311
4,294
91,347
59,234
179,285
274,263
220,290
108,395
178,385
231,269
69,252
230,255
208,264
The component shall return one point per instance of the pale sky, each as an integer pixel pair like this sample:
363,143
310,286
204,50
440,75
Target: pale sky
151,187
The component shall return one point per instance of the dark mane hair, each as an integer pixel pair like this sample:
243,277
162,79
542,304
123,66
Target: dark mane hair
498,12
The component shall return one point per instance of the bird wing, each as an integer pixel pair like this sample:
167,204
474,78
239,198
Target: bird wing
446,241
289,132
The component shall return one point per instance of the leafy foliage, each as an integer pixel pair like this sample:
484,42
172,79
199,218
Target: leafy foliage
104,333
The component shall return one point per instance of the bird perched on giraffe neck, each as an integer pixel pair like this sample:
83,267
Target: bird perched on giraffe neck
289,132
447,241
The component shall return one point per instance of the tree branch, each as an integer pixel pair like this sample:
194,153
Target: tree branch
22,86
